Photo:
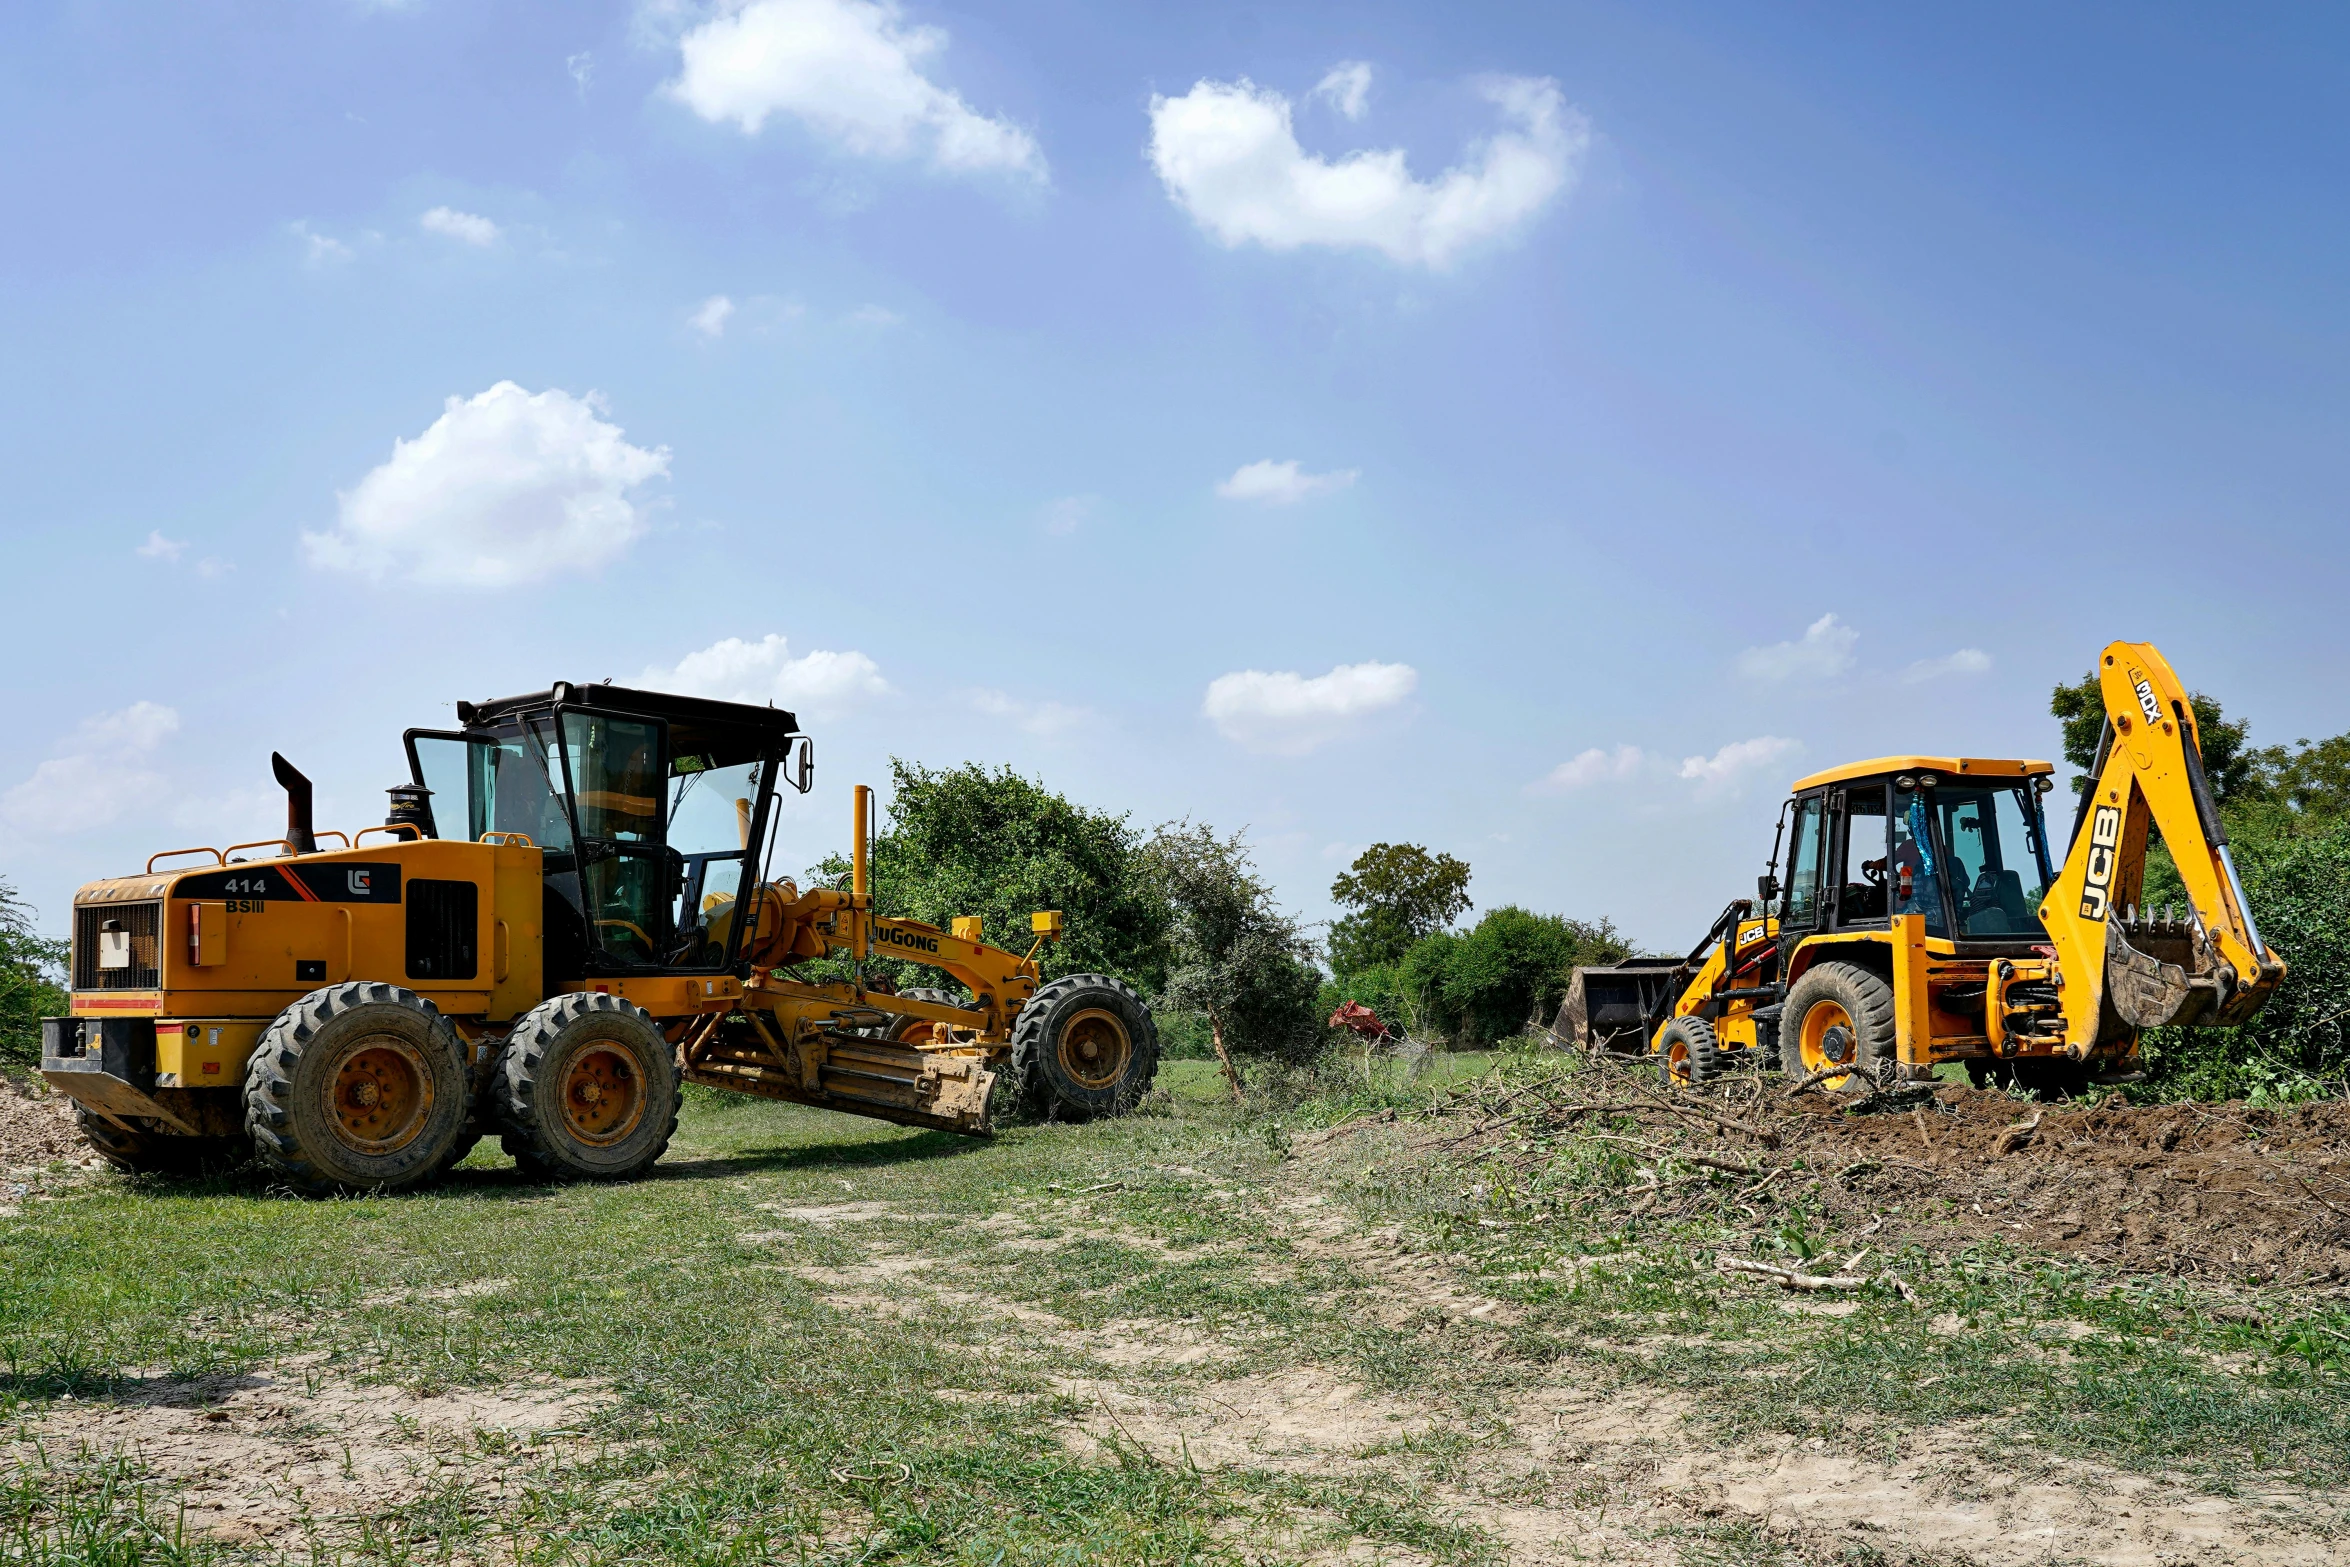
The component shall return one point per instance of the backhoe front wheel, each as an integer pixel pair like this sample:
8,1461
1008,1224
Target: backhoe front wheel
1687,1052
587,1089
1084,1046
356,1087
1838,1015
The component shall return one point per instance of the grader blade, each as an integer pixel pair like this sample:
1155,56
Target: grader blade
855,1074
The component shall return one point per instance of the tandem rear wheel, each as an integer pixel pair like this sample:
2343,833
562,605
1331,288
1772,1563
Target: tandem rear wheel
586,1090
356,1087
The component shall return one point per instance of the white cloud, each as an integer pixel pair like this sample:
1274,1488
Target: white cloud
710,319
582,67
1591,767
851,71
1281,483
1071,512
1291,713
1045,720
874,315
466,226
734,670
1824,649
102,771
1729,766
1966,661
1229,155
503,488
1347,88
158,547
320,250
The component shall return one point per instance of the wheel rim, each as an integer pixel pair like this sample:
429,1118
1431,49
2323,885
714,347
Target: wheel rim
603,1093
1828,1039
381,1095
1677,1059
1095,1048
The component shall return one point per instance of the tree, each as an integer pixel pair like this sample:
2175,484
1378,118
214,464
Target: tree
32,967
967,840
2235,771
1234,957
1511,968
1399,892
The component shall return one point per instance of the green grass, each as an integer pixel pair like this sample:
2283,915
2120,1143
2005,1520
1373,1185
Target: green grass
744,1416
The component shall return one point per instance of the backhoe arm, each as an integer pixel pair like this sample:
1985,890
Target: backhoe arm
2121,967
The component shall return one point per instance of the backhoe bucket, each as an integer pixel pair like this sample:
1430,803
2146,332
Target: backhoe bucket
2161,975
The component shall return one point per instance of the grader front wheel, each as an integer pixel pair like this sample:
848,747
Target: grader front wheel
1084,1046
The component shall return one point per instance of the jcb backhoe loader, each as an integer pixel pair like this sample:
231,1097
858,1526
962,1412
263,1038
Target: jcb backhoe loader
566,914
1922,920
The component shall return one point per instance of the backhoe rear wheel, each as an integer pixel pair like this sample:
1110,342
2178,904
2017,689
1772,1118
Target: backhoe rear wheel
1838,1014
587,1089
1687,1052
357,1087
1084,1046
149,1150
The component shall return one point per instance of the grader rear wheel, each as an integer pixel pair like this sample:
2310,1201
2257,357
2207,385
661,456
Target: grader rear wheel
1084,1046
356,1087
587,1089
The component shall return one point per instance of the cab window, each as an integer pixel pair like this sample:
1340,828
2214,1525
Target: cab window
1860,883
1802,910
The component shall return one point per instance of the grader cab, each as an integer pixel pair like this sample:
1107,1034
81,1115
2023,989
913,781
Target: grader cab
1924,917
568,911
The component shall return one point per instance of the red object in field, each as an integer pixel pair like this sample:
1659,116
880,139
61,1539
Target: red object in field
1356,1018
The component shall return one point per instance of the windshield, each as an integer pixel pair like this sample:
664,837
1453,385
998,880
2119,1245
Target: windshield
1998,870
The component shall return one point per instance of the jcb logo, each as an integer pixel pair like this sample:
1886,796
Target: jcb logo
2105,838
900,938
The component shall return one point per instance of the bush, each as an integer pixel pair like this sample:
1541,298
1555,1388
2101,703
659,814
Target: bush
1509,969
32,971
1236,958
2296,875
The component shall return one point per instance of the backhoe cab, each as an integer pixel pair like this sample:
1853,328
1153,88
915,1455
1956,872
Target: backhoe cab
1923,917
567,912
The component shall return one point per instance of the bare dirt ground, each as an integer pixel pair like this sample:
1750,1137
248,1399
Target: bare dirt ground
36,1129
275,1455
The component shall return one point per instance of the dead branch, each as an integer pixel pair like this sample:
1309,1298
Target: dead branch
1788,1278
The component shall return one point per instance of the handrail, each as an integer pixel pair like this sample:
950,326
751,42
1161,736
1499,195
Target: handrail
218,858
512,840
406,827
283,843
329,832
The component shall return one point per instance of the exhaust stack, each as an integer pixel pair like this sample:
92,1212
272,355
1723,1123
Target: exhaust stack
299,835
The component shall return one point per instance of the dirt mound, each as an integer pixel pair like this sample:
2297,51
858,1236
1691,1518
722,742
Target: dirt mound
37,1129
2220,1191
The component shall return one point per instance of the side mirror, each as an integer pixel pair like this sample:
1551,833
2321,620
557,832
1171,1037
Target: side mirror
800,765
1767,886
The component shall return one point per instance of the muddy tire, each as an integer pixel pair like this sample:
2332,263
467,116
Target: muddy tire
1838,1014
150,1150
1687,1052
357,1087
1084,1046
586,1090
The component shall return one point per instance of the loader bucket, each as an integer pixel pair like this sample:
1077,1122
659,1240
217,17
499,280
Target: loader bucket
1608,1008
2159,975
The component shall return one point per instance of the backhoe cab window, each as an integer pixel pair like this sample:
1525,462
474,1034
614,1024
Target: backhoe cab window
1998,867
1916,870
1860,896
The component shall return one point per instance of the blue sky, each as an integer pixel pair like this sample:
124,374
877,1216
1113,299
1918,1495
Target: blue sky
1537,432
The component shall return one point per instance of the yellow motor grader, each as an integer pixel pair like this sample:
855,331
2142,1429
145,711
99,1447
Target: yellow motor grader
1924,919
566,914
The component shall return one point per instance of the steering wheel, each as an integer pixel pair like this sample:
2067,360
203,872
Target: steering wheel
1873,872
